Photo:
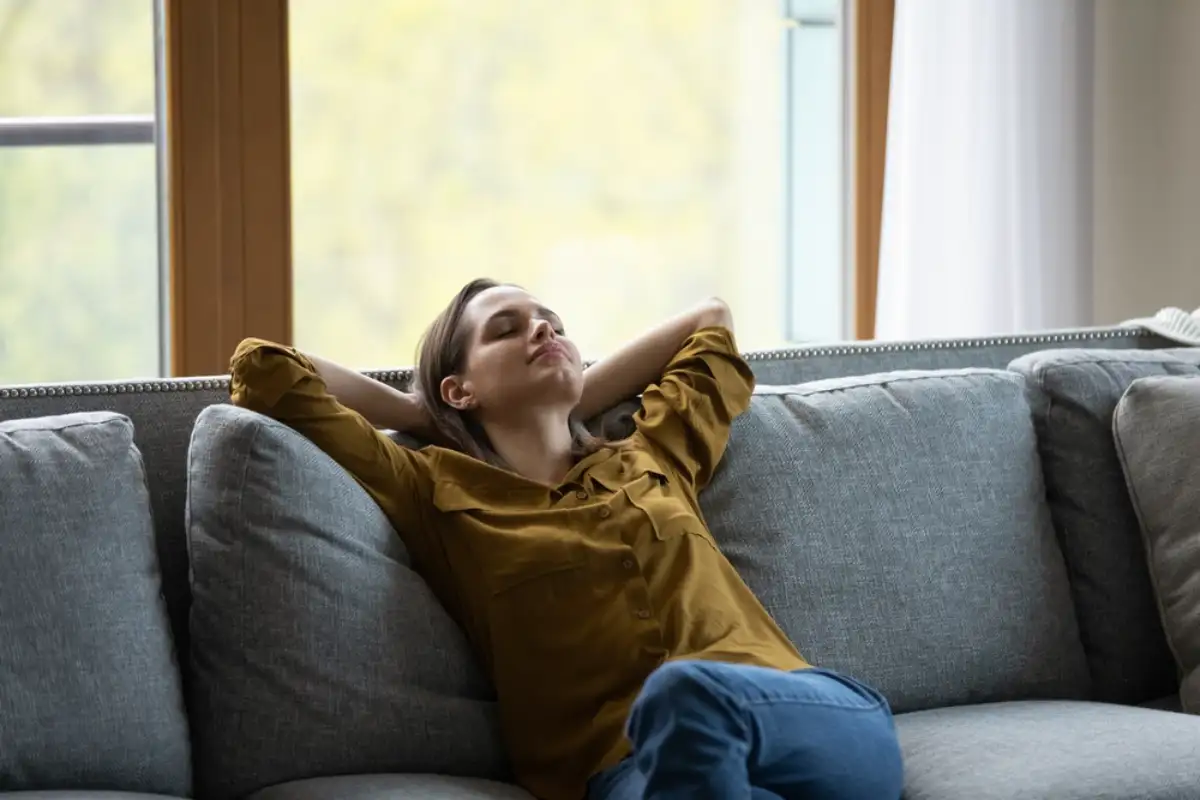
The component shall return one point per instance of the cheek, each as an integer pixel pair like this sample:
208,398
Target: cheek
575,355
494,362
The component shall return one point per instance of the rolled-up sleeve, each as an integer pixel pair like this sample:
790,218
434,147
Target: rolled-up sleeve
687,415
282,383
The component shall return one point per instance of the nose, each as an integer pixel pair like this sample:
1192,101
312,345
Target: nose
542,330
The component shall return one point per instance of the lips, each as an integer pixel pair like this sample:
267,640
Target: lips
549,349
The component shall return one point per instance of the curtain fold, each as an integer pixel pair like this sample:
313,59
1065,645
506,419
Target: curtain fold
987,209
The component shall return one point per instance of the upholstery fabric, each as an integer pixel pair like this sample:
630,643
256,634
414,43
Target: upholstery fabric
1074,394
316,650
393,787
67,794
1157,430
1169,703
896,528
90,691
1050,750
163,412
839,360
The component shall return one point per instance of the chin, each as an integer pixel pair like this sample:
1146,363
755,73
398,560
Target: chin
562,387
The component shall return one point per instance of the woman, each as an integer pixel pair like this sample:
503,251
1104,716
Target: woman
628,657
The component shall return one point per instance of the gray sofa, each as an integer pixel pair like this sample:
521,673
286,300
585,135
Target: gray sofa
194,601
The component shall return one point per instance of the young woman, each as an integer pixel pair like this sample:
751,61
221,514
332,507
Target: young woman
628,657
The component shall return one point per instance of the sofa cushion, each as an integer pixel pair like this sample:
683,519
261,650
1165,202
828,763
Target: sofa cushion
393,787
1157,432
1169,703
90,692
1073,394
1048,750
316,650
896,528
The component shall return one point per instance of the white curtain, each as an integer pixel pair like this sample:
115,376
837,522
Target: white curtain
987,208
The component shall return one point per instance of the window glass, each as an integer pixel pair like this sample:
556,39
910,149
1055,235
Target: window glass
622,160
79,253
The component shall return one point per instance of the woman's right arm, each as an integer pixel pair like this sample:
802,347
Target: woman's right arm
338,409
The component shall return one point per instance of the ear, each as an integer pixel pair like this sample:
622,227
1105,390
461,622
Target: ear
457,394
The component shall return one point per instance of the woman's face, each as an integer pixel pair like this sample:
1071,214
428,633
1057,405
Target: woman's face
517,356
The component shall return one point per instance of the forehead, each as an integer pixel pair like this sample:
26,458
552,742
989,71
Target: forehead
497,299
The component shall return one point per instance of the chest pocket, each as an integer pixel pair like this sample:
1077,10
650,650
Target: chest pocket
509,548
551,623
665,505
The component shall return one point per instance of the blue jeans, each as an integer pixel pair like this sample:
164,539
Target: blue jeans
703,729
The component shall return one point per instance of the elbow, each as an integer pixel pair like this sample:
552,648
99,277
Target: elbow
714,312
259,373
244,352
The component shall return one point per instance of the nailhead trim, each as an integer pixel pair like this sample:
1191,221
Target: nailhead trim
404,375
944,344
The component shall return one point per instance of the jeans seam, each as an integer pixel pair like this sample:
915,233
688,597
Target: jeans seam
816,703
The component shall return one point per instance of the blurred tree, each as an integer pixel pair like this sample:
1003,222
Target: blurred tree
78,226
589,151
616,158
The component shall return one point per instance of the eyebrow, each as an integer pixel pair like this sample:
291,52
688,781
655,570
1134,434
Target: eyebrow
541,311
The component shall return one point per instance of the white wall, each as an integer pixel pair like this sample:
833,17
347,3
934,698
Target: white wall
1146,244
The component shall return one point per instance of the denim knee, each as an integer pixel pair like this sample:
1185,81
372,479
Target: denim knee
675,680
681,687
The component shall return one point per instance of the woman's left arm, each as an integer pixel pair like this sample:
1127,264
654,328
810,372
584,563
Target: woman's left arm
641,362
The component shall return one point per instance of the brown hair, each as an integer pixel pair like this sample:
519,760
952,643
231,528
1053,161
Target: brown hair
442,353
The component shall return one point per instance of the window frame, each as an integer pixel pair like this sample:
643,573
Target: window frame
871,30
799,17
228,177
223,118
105,130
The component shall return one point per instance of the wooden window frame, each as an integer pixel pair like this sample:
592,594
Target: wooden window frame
229,174
873,24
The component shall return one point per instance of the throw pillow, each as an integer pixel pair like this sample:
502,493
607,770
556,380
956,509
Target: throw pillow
1157,431
1073,394
90,692
896,527
316,650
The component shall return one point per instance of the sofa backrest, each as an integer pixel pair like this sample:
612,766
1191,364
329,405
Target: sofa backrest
164,411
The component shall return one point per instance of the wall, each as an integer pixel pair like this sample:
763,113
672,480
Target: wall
1146,241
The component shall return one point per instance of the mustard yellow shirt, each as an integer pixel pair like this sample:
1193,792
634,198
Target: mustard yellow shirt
572,594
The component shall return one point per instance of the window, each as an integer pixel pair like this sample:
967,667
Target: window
619,159
80,277
815,144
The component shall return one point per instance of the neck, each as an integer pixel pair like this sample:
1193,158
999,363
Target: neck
535,446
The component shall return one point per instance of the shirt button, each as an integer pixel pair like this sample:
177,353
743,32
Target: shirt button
605,513
643,613
627,563
581,494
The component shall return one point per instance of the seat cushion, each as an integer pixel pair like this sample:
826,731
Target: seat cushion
1050,750
1157,431
90,691
1073,395
393,787
316,649
896,528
